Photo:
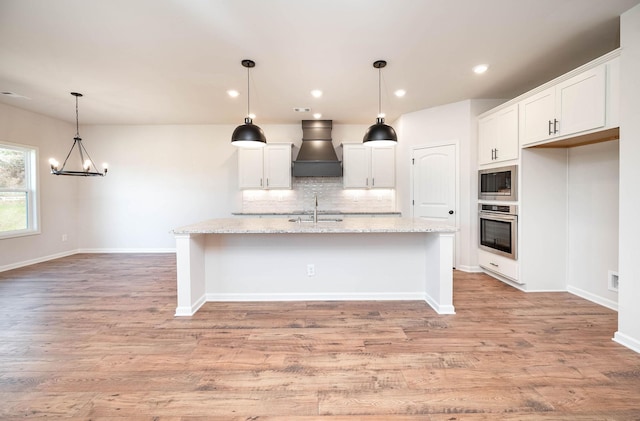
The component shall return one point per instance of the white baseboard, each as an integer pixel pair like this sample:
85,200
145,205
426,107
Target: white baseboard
507,281
126,250
390,296
37,260
593,298
440,309
628,341
190,311
469,269
384,296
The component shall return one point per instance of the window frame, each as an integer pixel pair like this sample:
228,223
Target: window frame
32,190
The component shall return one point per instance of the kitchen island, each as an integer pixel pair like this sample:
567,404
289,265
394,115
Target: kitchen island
274,259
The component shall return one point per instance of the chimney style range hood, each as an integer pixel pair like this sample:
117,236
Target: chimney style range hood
317,158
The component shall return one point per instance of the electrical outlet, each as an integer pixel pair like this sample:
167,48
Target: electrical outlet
311,269
613,280
64,237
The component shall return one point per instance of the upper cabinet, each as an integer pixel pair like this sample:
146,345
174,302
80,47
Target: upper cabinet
265,168
577,108
572,107
498,136
366,167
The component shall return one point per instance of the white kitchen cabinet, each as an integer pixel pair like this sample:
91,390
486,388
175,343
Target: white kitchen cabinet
366,167
573,106
500,265
498,136
265,168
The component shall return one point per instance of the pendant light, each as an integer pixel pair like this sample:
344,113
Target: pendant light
248,135
380,134
89,169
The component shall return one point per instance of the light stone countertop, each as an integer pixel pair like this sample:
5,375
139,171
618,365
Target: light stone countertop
284,226
320,212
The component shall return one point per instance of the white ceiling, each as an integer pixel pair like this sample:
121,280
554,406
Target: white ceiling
172,61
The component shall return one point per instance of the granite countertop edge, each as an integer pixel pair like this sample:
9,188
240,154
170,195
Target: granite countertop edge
284,226
320,212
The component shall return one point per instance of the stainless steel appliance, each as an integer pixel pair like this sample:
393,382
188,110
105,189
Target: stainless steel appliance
498,183
499,229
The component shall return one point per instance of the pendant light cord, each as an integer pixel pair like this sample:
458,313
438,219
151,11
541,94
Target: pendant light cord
379,92
248,94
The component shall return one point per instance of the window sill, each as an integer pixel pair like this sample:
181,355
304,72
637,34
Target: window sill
16,234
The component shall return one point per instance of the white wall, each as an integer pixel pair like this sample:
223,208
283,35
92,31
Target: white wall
629,289
160,177
57,194
542,219
593,221
451,123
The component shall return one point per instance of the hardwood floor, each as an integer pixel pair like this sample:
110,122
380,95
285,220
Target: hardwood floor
93,337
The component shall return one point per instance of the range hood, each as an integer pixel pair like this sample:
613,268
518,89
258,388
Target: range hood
317,158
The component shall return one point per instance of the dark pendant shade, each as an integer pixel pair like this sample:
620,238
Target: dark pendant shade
380,134
248,135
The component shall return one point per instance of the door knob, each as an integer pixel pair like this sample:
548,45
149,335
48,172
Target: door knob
450,212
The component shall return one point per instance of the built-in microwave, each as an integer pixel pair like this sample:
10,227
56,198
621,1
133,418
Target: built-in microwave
498,183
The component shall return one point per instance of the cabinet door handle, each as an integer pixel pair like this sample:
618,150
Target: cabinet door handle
261,182
494,264
555,125
367,182
373,182
492,154
550,131
267,181
496,153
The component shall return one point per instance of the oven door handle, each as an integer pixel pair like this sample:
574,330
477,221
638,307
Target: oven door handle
498,217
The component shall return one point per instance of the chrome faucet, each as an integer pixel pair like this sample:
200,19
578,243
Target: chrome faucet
315,211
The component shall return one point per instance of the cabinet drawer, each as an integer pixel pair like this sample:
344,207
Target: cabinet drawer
498,264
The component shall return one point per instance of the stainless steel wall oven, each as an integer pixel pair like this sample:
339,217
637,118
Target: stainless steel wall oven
499,229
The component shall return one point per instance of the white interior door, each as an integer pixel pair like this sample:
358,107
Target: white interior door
435,186
434,183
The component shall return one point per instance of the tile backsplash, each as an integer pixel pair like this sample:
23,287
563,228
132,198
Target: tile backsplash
331,197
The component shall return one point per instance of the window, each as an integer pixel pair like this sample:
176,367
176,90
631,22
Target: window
18,204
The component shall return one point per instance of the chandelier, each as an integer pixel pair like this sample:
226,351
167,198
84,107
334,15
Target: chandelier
89,169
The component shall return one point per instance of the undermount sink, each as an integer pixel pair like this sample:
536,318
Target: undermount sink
300,220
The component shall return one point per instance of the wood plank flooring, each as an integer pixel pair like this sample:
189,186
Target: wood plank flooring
93,337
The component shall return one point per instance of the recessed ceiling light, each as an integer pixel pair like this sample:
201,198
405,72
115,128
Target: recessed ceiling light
400,93
480,68
316,93
317,116
233,93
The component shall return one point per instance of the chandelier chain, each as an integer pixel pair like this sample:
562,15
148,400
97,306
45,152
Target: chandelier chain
77,123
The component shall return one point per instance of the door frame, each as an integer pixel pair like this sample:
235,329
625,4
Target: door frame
437,144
